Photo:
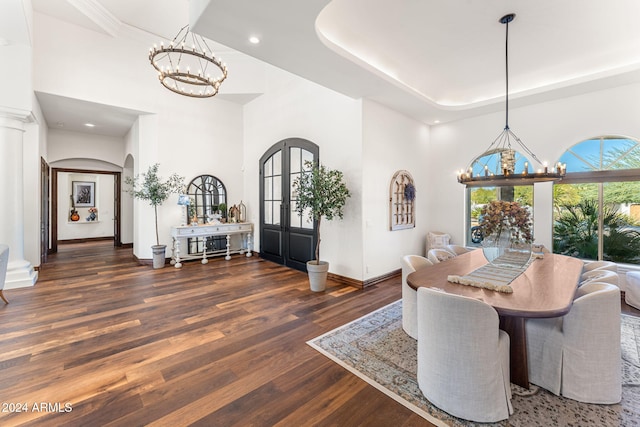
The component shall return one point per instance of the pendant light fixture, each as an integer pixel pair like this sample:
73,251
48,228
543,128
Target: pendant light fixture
497,165
188,66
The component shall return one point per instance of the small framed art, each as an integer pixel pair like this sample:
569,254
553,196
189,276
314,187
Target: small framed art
84,194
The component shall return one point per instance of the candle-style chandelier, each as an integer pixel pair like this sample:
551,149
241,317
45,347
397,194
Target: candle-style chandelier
498,165
188,66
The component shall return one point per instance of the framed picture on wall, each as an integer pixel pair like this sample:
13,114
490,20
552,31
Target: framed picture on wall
84,194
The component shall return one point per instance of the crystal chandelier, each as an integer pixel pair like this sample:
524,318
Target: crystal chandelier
497,165
187,64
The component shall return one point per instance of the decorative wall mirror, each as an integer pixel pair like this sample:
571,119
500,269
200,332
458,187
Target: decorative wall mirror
208,196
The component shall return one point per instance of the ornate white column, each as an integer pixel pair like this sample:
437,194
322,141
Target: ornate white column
20,272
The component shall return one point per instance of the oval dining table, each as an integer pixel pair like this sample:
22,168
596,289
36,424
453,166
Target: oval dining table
545,289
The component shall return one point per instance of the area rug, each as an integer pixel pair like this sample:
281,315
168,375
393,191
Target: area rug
376,349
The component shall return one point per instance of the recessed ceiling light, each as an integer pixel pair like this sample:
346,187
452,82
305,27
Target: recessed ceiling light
254,40
60,124
436,121
89,125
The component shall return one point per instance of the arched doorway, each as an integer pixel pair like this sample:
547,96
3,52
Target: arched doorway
285,237
56,198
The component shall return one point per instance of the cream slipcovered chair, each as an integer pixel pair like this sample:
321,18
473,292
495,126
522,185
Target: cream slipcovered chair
439,255
410,263
463,358
600,265
602,276
4,261
632,291
578,355
457,249
437,239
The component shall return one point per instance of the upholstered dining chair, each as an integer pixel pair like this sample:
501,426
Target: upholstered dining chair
410,263
457,249
600,265
597,275
463,357
437,239
4,261
439,254
578,356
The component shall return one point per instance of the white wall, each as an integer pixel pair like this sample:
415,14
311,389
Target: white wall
548,129
104,202
35,149
65,145
294,107
16,79
392,142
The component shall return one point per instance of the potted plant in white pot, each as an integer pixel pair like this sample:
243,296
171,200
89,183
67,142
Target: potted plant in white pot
150,187
320,192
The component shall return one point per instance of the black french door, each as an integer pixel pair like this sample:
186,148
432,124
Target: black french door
285,236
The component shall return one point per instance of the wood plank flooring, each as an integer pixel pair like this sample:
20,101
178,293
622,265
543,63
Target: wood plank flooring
222,344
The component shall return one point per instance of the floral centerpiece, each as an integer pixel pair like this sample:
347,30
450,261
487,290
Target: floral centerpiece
507,231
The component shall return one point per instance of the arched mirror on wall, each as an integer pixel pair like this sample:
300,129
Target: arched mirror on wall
208,197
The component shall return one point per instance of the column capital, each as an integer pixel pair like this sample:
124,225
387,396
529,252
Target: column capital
14,118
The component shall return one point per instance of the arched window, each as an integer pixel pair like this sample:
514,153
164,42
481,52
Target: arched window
597,204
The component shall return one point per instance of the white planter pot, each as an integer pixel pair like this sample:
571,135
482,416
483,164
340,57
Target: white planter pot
317,275
158,255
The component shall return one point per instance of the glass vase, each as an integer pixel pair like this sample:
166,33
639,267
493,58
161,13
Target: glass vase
501,251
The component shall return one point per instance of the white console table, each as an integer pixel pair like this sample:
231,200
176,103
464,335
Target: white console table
209,230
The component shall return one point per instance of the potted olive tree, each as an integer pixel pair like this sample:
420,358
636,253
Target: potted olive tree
320,192
150,187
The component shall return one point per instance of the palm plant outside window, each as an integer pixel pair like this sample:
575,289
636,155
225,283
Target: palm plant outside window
597,205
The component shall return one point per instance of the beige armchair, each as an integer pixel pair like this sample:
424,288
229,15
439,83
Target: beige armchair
598,275
4,261
600,265
463,357
457,249
439,255
410,263
437,239
578,356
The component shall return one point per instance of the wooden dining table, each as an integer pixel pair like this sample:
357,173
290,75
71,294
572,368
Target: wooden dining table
545,289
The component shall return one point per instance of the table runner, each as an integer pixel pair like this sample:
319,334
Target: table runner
491,277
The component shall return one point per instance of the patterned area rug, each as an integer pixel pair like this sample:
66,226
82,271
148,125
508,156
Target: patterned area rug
376,349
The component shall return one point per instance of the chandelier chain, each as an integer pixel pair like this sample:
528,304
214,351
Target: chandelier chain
499,161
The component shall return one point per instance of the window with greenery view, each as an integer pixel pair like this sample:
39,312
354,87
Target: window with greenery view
597,205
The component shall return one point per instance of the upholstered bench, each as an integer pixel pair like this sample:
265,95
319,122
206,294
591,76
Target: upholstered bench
632,293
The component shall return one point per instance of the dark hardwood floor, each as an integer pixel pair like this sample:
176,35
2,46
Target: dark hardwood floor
222,344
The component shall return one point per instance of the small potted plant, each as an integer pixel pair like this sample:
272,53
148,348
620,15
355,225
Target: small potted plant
150,187
322,193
